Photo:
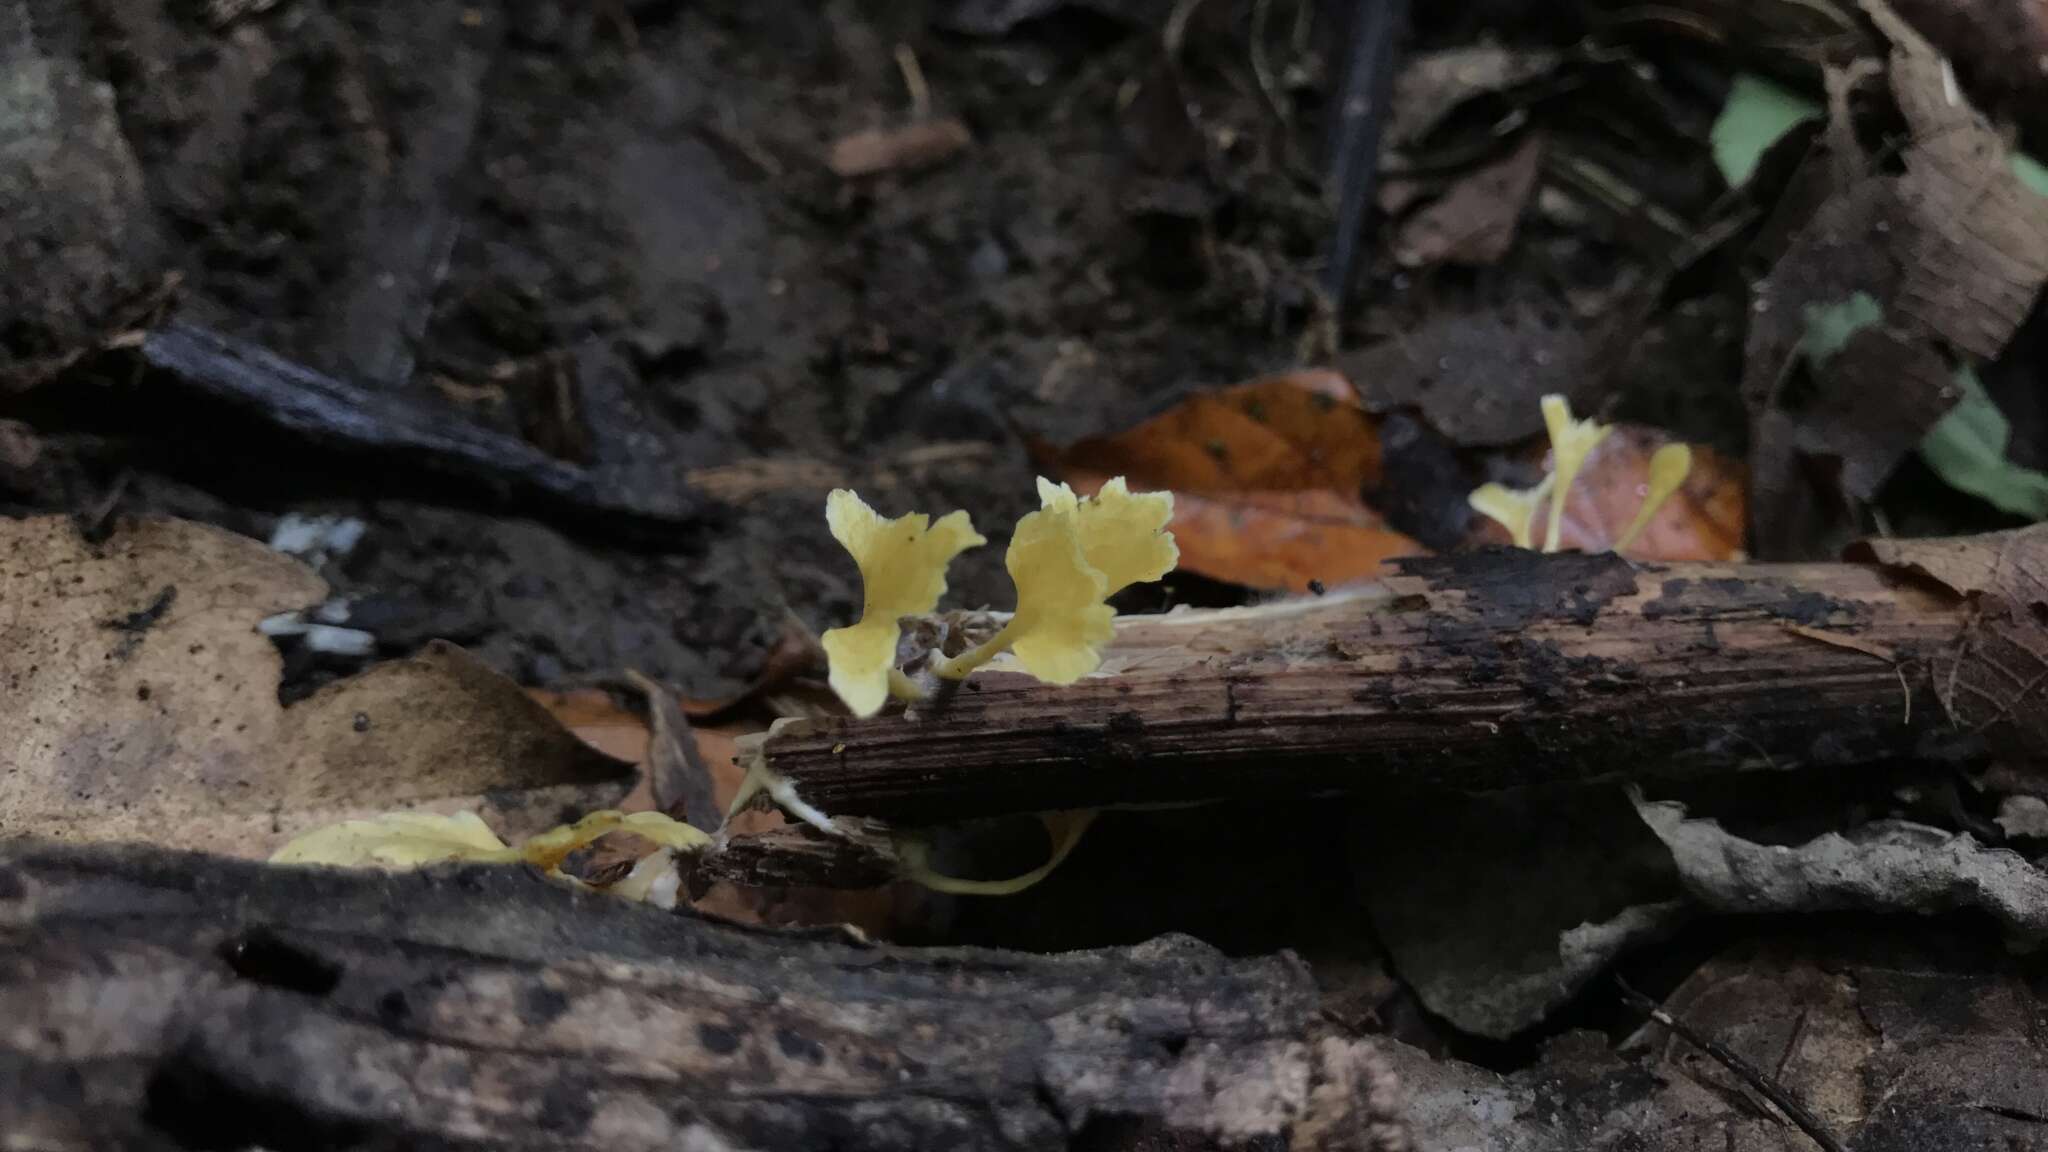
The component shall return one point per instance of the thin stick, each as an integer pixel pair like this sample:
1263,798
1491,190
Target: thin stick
1800,1116
1355,143
914,83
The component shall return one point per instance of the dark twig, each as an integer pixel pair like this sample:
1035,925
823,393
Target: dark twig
339,416
1355,130
1801,1117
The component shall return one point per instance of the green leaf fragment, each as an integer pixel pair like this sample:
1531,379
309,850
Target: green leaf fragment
1967,450
1830,327
2031,172
1757,115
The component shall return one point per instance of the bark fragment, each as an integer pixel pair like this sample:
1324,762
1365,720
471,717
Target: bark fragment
489,1007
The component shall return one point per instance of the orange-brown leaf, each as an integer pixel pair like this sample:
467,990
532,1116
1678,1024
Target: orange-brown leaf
1291,432
1266,479
1703,520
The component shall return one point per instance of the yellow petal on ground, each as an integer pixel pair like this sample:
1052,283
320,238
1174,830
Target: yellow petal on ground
548,849
1061,622
397,840
1123,533
1571,441
903,573
1514,508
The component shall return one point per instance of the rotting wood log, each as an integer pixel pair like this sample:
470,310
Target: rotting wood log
159,999
1477,672
862,855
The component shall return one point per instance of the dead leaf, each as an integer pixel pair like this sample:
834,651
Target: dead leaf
1431,85
1494,941
1848,361
677,772
1994,679
1475,220
919,144
1978,254
1267,478
1292,432
1885,866
1894,1037
1476,377
1704,520
1827,429
1932,1047
2000,44
1277,539
599,721
144,706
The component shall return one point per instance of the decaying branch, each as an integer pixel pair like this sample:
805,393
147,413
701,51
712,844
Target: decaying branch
157,999
1476,672
862,855
335,415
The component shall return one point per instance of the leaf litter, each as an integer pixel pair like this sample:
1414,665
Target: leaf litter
146,706
1910,265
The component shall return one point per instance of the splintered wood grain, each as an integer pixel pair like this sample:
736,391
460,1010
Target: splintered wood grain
1482,671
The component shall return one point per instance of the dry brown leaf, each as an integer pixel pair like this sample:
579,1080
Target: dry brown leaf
1994,679
622,733
1279,539
142,705
1704,520
1978,255
1266,477
1432,85
1903,275
1476,377
1475,220
1891,1036
601,722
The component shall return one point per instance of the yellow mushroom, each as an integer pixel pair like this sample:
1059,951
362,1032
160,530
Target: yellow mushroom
1123,533
1571,441
903,573
1513,508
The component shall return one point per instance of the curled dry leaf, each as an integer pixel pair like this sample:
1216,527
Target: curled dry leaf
1475,220
1266,478
142,705
1994,678
1849,358
1886,866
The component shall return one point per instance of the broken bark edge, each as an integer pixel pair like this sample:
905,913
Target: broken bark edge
173,998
